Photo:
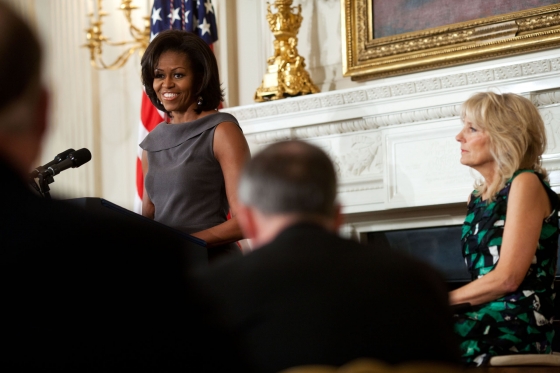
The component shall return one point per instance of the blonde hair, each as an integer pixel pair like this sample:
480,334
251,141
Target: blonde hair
516,132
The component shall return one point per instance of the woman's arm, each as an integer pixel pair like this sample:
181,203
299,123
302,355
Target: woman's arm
231,151
528,205
148,208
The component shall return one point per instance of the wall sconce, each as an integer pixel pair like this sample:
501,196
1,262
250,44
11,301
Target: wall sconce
96,39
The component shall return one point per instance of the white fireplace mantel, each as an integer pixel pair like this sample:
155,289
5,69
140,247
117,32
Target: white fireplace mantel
393,140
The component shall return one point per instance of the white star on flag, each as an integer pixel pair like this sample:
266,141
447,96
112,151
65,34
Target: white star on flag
175,16
187,16
205,27
209,7
155,16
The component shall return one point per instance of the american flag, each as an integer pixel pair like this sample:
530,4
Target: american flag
191,15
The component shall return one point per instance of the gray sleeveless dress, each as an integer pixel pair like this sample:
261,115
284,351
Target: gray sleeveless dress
184,179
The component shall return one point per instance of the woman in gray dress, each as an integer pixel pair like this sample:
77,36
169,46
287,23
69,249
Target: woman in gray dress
192,160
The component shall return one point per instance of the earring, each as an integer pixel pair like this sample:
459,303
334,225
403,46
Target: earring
200,101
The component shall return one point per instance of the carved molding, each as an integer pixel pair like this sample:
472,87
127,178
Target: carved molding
336,99
270,136
360,189
540,99
538,22
356,125
546,98
435,39
362,157
432,113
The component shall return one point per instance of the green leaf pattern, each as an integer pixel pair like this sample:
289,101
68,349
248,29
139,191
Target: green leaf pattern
507,325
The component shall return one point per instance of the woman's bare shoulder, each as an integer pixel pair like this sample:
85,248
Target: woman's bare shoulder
229,139
228,126
528,192
228,132
527,181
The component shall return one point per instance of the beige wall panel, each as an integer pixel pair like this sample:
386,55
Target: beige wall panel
94,109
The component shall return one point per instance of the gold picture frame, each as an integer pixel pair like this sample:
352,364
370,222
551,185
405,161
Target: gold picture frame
366,58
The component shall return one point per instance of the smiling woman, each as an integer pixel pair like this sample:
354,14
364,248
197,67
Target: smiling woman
192,161
174,84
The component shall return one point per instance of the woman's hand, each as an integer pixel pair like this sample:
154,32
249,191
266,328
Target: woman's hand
231,151
528,205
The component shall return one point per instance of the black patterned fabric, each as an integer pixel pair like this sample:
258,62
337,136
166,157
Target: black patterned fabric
519,322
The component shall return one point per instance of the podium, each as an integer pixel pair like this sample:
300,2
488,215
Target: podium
195,249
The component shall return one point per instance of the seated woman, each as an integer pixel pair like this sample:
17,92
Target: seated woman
510,234
192,161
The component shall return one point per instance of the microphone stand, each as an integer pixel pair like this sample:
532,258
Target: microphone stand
44,184
45,173
32,183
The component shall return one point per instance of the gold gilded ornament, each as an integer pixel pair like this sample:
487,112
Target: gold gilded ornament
96,39
286,75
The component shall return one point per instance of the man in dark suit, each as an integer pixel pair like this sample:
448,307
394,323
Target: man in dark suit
308,296
79,292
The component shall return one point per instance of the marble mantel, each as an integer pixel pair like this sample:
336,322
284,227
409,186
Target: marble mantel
393,140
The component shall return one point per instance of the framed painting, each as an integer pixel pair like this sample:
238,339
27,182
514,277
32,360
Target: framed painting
386,38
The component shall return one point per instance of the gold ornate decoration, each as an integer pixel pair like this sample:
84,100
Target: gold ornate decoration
286,75
96,39
368,58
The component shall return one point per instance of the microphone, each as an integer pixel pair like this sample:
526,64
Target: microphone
59,158
74,159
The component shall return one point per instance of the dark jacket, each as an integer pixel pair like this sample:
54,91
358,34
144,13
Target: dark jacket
80,292
311,297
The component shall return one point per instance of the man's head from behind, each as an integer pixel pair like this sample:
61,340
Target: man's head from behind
285,183
23,102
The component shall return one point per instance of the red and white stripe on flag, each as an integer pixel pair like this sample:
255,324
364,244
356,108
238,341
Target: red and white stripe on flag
150,117
196,16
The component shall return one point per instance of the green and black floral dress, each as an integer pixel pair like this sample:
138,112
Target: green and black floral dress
519,322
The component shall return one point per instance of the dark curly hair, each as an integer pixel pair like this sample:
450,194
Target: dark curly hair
203,65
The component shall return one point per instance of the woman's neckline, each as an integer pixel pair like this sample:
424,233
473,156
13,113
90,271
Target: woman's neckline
200,116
